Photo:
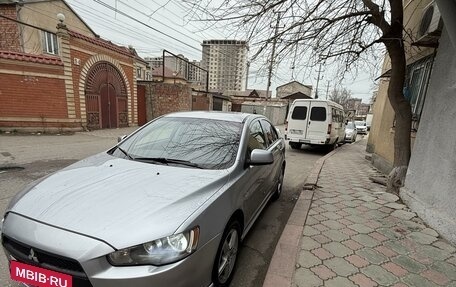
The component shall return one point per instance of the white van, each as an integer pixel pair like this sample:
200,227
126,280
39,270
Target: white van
315,122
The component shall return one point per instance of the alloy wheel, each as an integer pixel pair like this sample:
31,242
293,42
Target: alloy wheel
228,255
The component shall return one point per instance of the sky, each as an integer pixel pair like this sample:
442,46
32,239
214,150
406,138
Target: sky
165,24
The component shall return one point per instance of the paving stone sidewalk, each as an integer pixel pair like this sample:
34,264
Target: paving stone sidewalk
356,234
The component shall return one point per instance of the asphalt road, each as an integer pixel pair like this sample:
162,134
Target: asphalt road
33,156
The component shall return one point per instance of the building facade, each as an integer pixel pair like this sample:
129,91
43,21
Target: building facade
431,70
294,87
195,75
57,74
226,63
429,185
419,57
178,65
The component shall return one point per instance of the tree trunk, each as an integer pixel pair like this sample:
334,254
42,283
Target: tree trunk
403,114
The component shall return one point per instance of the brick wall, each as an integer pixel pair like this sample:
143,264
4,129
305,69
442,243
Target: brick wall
36,98
24,96
10,37
168,98
35,94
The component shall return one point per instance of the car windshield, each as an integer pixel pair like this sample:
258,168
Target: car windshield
190,142
350,125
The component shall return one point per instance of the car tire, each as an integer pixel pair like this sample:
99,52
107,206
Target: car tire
295,145
332,146
279,186
227,254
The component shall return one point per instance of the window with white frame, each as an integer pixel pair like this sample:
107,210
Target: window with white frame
139,73
50,43
416,85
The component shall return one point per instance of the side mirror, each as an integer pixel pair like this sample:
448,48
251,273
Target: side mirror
279,133
261,157
121,138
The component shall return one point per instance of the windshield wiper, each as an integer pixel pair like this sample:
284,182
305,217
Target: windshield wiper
168,160
125,153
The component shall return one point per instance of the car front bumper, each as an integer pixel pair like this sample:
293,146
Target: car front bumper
90,253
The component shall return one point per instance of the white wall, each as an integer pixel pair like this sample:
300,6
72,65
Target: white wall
430,187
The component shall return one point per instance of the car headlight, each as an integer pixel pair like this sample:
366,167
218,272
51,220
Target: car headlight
158,252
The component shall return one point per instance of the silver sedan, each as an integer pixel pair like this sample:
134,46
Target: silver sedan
167,206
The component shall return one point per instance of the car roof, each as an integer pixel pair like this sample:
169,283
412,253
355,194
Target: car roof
330,103
214,115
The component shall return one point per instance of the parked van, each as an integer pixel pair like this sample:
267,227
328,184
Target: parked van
369,121
315,122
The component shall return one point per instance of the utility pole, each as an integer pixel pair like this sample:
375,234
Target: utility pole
318,80
271,63
327,89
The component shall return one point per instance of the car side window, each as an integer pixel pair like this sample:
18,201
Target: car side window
257,139
270,132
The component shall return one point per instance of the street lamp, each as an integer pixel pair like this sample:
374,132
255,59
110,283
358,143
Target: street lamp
61,17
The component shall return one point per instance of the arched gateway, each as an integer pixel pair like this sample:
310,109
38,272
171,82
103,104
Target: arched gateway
105,97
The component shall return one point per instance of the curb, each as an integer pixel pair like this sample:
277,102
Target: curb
282,266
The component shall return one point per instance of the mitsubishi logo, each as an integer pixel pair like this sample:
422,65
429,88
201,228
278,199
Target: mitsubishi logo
32,256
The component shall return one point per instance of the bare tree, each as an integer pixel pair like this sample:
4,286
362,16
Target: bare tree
340,96
321,31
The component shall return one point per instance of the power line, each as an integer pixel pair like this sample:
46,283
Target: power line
142,23
108,24
177,31
203,53
54,18
130,31
26,24
203,34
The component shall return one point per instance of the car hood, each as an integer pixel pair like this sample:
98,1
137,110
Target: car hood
121,202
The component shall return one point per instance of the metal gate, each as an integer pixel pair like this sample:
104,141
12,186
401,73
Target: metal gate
106,97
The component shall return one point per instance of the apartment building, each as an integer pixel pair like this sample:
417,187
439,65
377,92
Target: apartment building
194,71
226,62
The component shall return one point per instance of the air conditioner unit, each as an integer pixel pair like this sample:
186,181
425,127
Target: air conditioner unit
430,21
430,27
